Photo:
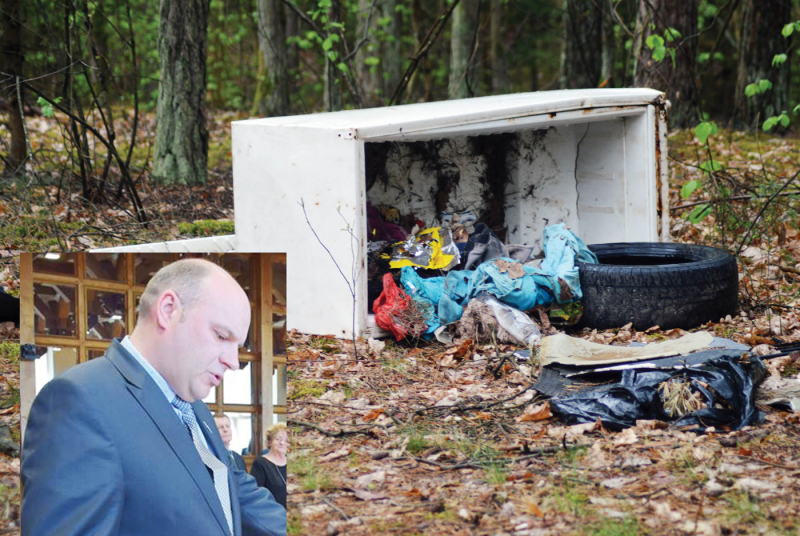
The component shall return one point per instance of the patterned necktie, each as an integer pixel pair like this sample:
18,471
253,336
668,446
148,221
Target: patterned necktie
219,470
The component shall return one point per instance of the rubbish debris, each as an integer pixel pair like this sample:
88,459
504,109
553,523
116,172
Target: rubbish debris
430,248
555,281
726,385
395,311
566,350
515,322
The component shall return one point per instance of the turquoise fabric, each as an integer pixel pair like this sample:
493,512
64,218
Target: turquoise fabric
539,286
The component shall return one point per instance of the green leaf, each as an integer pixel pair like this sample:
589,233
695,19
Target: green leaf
654,41
689,188
769,123
327,44
703,57
719,56
784,119
787,30
47,108
778,59
672,34
332,55
750,90
711,166
659,53
704,130
384,21
764,85
342,67
371,60
796,109
700,212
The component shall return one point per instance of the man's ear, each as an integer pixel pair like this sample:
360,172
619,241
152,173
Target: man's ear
168,308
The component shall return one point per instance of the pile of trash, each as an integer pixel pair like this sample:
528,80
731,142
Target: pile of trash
480,274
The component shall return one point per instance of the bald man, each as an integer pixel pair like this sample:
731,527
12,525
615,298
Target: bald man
124,445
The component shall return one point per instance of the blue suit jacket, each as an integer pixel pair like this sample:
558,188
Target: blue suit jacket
106,455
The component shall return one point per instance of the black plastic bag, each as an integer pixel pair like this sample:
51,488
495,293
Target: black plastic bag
729,396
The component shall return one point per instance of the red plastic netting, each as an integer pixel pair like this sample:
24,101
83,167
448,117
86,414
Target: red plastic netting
389,307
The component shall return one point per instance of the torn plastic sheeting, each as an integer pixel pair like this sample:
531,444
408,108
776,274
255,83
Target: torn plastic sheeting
557,380
451,293
566,350
727,385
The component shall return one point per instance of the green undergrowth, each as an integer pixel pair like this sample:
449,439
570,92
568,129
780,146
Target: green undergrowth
306,389
201,228
9,351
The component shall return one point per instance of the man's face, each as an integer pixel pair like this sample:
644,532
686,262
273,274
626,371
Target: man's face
224,428
205,342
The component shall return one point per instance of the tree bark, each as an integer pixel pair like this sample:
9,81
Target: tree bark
760,41
608,46
499,72
392,56
463,42
181,147
581,57
368,75
676,79
272,93
332,96
11,62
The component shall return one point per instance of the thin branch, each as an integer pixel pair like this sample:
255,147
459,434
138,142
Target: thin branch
763,208
422,50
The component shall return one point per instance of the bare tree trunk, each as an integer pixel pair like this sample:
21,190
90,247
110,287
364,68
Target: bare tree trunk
272,93
581,57
608,45
463,42
369,76
676,79
392,55
499,72
181,147
332,96
760,41
11,62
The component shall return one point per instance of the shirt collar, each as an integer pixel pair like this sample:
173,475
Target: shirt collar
158,378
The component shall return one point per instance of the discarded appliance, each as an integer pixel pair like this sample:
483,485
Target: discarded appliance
593,159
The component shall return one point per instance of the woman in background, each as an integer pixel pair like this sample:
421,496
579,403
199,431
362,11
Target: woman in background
269,469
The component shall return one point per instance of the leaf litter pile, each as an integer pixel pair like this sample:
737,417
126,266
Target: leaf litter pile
430,439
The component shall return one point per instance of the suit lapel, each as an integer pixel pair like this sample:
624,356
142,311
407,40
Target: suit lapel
155,404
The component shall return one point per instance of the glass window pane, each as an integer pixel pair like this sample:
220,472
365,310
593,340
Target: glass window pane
106,314
237,385
240,267
279,285
278,334
94,353
53,361
106,266
54,309
242,432
55,263
147,264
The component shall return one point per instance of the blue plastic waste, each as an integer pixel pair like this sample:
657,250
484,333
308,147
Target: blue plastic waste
538,286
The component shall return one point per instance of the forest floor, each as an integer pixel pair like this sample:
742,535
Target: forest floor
424,439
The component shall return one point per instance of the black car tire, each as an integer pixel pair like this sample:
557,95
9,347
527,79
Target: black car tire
657,284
